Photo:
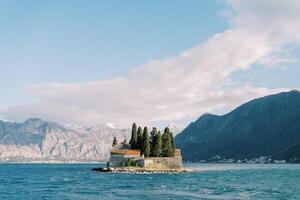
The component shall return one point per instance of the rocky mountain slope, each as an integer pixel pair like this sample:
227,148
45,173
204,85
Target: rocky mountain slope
267,126
38,140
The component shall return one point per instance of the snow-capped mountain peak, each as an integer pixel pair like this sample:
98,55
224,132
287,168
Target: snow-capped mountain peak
39,140
110,125
176,128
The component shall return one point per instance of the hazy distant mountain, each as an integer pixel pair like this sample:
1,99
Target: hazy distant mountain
38,140
176,128
268,126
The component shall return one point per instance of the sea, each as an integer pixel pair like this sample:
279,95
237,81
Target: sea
208,181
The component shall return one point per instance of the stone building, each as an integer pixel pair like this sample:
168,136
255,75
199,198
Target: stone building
121,153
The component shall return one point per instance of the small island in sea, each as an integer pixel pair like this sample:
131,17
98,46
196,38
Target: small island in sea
156,153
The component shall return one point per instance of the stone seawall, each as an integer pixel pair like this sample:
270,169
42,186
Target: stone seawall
162,162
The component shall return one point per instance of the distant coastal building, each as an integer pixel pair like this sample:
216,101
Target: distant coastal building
123,156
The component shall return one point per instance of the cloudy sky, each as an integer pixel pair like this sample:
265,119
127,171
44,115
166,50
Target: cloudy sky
152,62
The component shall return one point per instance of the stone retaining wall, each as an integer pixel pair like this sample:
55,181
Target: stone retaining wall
162,162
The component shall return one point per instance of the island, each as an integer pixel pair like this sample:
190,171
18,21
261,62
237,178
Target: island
156,153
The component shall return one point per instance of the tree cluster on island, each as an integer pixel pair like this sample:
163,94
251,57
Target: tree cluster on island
155,145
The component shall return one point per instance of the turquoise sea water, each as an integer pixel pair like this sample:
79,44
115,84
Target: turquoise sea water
211,181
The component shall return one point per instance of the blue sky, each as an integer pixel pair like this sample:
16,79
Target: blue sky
72,41
78,44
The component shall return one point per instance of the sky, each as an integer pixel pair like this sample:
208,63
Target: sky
150,62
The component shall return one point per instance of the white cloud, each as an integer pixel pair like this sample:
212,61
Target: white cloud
277,18
184,86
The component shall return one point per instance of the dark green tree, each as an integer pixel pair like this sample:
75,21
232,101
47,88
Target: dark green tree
167,130
167,148
153,133
173,144
140,139
115,142
146,143
157,145
133,140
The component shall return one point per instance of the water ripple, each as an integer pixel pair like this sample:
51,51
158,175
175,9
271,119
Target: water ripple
210,181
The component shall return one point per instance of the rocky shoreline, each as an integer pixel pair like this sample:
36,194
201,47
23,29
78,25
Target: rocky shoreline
139,170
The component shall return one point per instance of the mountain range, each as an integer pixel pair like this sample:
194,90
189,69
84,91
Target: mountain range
267,127
36,140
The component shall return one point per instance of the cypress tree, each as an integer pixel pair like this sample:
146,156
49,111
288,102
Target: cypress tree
133,140
173,144
167,130
152,142
157,145
171,153
115,142
139,139
146,143
166,144
153,133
